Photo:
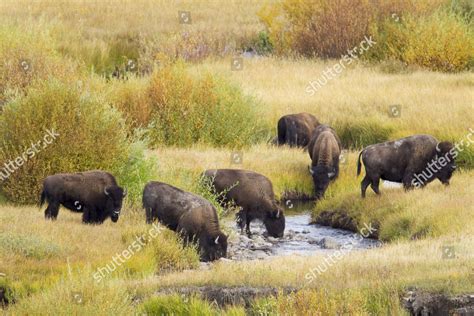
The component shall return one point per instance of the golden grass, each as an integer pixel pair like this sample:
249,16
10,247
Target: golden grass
109,17
434,211
435,103
284,166
414,263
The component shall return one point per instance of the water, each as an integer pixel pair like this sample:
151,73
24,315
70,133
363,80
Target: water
300,238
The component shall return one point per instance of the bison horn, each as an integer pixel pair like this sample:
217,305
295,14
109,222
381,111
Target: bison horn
125,192
217,240
310,170
278,214
105,191
331,174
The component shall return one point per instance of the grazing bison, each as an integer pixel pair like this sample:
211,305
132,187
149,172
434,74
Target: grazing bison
295,129
192,216
253,192
324,150
94,193
409,161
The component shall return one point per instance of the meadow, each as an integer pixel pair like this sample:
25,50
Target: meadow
134,89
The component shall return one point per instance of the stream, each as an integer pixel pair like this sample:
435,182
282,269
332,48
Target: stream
300,238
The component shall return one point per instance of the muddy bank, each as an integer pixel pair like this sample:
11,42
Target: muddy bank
421,303
222,296
341,220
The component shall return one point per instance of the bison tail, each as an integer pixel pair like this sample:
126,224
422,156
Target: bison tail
42,198
359,165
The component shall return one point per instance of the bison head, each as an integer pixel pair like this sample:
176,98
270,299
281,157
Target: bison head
445,155
274,222
214,247
113,205
322,176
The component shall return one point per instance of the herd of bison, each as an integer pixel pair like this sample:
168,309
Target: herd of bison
97,195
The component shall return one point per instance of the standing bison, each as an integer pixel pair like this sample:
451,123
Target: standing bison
192,216
324,150
295,129
253,192
409,161
94,193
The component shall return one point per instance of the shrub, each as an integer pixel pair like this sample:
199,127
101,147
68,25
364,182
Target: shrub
360,134
187,109
130,97
28,56
436,34
91,135
317,28
137,171
442,41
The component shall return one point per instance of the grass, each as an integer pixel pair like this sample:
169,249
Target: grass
36,254
433,103
361,282
49,266
292,175
430,212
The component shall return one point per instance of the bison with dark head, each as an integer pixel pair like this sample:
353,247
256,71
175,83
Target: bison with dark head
94,193
295,129
324,150
192,216
253,193
413,161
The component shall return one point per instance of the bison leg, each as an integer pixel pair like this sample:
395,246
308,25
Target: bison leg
52,211
375,185
89,216
149,218
364,184
407,179
241,220
247,226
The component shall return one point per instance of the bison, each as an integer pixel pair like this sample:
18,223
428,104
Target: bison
94,193
409,161
253,193
324,150
192,216
295,129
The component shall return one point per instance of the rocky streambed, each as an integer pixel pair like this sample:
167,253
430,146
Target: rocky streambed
300,239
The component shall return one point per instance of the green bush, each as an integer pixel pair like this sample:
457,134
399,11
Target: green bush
442,41
137,171
89,134
355,135
189,109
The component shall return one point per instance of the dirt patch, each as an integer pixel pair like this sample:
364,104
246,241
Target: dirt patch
222,296
421,303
